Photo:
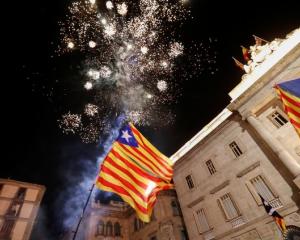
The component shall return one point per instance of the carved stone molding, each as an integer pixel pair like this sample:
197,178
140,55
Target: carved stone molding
219,187
196,201
248,169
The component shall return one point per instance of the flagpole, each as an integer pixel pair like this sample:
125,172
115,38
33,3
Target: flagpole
83,211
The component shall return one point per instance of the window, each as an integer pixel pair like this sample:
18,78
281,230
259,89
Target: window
109,230
117,229
100,228
211,168
7,228
175,208
228,206
21,194
203,223
277,119
189,181
262,188
1,187
235,149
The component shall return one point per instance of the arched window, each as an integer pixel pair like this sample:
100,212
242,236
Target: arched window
135,224
100,228
117,229
109,229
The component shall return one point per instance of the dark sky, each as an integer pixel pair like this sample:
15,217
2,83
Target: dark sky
37,84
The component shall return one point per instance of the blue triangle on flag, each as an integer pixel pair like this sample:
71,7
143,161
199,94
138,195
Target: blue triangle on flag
126,137
293,87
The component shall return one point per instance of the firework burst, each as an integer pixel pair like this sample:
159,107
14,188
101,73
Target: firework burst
131,54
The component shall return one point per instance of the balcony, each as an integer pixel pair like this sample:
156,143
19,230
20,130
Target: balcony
276,203
236,222
208,235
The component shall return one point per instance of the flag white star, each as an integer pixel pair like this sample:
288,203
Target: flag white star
126,135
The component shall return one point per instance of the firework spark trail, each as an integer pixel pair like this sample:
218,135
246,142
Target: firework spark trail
131,52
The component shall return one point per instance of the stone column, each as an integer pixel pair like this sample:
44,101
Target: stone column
276,146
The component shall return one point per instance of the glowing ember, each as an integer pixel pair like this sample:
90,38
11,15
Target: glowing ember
144,50
122,9
92,44
162,86
71,45
109,5
91,110
88,85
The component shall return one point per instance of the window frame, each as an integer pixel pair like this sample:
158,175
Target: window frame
223,209
214,170
197,220
276,123
253,191
239,148
190,176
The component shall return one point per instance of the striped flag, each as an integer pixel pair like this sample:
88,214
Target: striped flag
246,53
272,212
136,171
289,93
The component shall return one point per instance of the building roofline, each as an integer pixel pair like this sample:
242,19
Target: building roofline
205,131
292,41
286,47
22,183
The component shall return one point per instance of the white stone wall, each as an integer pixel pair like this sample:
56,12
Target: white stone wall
234,173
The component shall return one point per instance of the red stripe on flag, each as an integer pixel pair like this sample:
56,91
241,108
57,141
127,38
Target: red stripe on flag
149,160
123,181
150,151
121,190
126,172
287,98
135,168
139,158
296,124
291,110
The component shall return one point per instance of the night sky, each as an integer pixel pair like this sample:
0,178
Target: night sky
39,87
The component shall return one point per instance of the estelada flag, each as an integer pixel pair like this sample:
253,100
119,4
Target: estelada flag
246,53
289,93
136,171
272,212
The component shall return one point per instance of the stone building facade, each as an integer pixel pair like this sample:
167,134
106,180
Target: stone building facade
118,220
250,148
19,204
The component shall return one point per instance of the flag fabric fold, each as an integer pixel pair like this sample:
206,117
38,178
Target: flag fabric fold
136,171
272,212
289,93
